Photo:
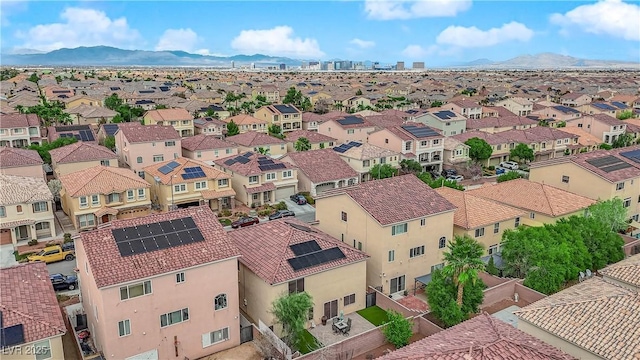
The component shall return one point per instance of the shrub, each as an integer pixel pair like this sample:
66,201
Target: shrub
263,213
281,206
225,222
67,238
511,175
240,214
225,213
398,330
492,168
32,242
51,243
309,198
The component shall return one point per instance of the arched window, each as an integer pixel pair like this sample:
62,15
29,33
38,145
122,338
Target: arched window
139,159
220,301
442,243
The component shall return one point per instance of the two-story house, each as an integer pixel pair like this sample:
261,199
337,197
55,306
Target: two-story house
503,123
160,286
575,99
363,157
26,209
185,182
92,115
403,244
310,121
78,100
259,142
556,114
347,128
286,244
138,146
210,126
19,130
546,142
270,93
180,119
455,152
448,122
601,108
84,133
21,162
603,126
468,108
100,194
207,148
248,123
287,116
316,140
517,105
321,170
499,145
258,179
79,156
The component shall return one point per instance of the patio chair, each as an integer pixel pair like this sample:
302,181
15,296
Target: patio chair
589,273
348,328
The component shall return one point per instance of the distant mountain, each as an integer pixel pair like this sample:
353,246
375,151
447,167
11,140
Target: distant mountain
550,61
110,56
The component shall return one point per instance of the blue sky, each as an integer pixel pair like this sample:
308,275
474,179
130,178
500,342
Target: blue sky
438,32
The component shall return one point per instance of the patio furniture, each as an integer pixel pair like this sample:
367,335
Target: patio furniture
348,328
340,326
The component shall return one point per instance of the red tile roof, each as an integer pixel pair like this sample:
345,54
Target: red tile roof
250,168
500,122
260,188
268,257
10,121
169,114
321,165
16,157
614,176
27,298
481,338
108,267
205,142
138,133
313,136
254,139
80,152
101,180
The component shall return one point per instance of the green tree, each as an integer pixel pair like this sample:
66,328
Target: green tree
359,92
398,330
382,171
293,96
509,175
522,152
291,311
275,131
436,103
462,262
410,166
232,128
491,267
441,296
302,144
110,142
34,78
624,115
58,79
479,150
50,112
623,140
439,181
263,150
7,74
43,150
113,102
160,106
610,213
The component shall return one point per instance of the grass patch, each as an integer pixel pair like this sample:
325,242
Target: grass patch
62,298
225,222
307,343
374,315
21,257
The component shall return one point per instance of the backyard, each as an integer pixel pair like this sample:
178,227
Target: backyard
307,343
374,315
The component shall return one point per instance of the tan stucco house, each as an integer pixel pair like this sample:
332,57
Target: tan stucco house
180,119
79,156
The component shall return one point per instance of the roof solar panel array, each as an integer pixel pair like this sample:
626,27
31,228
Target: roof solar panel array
350,120
419,132
156,236
608,163
315,258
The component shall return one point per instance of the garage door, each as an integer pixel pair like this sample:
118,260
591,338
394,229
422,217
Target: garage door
5,237
324,187
285,192
149,355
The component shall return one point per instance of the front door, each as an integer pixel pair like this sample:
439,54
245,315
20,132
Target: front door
331,309
105,218
397,284
22,232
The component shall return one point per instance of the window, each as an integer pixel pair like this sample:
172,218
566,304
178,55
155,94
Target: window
174,317
620,186
111,198
86,220
437,267
343,216
436,141
397,284
179,277
141,194
201,185
215,337
349,299
287,174
104,162
158,158
493,249
179,188
392,255
135,290
442,243
296,286
399,229
350,131
95,200
220,302
3,211
383,160
517,222
84,201
627,202
43,351
130,195
479,232
271,176
386,141
228,151
172,142
424,143
40,206
141,174
565,179
124,327
416,251
223,182
423,222
366,163
139,159
407,146
198,154
532,215
43,226
311,313
253,179
496,228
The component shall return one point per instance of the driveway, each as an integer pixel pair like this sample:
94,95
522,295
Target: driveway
7,259
65,268
306,212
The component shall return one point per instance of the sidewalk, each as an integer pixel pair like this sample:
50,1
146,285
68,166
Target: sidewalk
65,223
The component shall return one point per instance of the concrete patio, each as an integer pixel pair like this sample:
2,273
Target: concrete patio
325,335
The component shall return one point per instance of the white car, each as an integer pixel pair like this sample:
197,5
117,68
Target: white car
512,165
455,178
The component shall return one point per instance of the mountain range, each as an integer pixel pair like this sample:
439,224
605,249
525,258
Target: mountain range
110,56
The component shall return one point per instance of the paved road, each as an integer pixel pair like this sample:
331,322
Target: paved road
305,213
66,268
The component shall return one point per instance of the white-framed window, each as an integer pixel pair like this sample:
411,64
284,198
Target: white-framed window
407,145
437,267
124,328
479,232
201,185
227,151
19,209
111,198
416,251
399,229
620,186
392,255
43,350
436,141
516,222
40,206
565,179
627,202
215,337
270,176
135,290
158,158
43,225
220,302
493,249
142,193
172,142
442,242
423,222
105,163
287,174
296,286
350,131
130,195
223,183
139,159
532,215
174,317
253,179
178,188
95,200
198,154
424,143
86,220
3,211
496,228
180,277
349,299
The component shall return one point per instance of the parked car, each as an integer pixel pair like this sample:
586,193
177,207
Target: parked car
500,171
52,254
512,165
63,282
245,221
455,178
298,199
69,246
281,214
449,172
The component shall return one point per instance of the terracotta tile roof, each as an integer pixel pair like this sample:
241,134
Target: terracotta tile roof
497,109
367,151
313,136
16,157
321,165
532,196
138,133
364,124
27,298
260,188
465,104
499,122
491,139
631,172
606,119
23,190
600,319
80,152
268,257
480,338
101,180
205,142
209,171
251,167
474,212
585,138
417,199
11,121
386,120
535,134
206,122
108,267
176,114
626,271
244,119
254,139
213,194
309,116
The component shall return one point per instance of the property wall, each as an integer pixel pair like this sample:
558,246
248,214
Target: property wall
556,341
28,351
28,171
386,303
499,292
68,168
353,346
424,326
528,294
491,280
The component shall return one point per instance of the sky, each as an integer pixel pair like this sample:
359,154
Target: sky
434,31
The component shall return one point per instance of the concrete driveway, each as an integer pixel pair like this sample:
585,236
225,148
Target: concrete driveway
7,259
306,212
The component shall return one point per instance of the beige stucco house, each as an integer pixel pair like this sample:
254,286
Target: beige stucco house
21,162
316,140
79,156
364,157
287,116
207,148
180,119
446,121
517,105
248,123
20,130
259,142
347,128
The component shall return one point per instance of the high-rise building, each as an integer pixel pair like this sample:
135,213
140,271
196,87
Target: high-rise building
418,65
400,65
283,66
233,64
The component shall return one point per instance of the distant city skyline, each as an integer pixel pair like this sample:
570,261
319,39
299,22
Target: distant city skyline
438,32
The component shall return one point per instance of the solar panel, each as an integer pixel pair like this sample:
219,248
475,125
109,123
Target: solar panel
242,159
633,155
165,169
12,335
445,114
110,129
339,149
173,164
419,132
230,162
286,109
87,134
619,104
354,144
305,247
614,167
604,161
156,236
350,120
316,258
264,167
279,166
566,109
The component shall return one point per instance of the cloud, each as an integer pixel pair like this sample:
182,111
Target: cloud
178,39
418,52
80,27
472,37
363,44
278,41
608,17
413,9
9,8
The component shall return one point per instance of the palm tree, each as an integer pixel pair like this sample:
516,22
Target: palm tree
302,144
463,260
263,151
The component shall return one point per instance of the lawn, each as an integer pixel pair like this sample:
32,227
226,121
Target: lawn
307,343
374,315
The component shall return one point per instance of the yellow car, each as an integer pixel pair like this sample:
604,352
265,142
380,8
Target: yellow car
52,254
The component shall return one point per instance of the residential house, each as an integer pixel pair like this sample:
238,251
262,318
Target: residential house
414,141
272,267
258,179
624,273
26,210
557,114
287,116
248,123
455,152
355,103
543,203
255,141
138,146
214,110
90,115
503,123
468,108
143,290
347,128
586,141
499,145
21,162
210,126
601,108
57,93
207,148
608,129
497,111
575,99
403,244
517,105
79,156
32,323
316,140
448,122
19,130
186,182
363,157
321,170
100,194
84,133
78,100
270,93
311,120
180,119
546,142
